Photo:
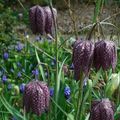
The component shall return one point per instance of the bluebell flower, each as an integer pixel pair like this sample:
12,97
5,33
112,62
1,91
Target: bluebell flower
9,87
22,87
19,75
19,47
67,92
35,72
5,56
51,92
4,78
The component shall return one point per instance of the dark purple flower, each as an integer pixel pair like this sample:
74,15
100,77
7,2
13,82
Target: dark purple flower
22,87
36,97
82,57
5,56
51,92
37,19
102,110
105,55
19,47
19,74
67,92
4,78
35,72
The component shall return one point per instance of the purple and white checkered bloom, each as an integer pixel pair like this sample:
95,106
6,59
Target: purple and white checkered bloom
41,19
105,55
37,19
102,110
82,57
36,97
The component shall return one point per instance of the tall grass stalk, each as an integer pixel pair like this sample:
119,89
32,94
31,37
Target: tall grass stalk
79,102
56,49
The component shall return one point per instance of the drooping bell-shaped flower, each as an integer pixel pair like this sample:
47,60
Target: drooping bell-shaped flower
82,57
37,19
102,110
49,19
105,55
41,19
36,97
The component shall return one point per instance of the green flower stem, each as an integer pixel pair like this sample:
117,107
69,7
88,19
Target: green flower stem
56,49
80,97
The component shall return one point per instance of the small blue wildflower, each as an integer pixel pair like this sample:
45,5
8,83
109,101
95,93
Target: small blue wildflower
5,56
22,87
67,92
9,87
11,70
19,64
72,66
35,72
53,62
19,75
46,74
14,118
4,78
37,38
51,92
19,47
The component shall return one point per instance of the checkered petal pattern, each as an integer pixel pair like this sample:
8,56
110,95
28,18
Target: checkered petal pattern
102,110
105,55
36,97
82,57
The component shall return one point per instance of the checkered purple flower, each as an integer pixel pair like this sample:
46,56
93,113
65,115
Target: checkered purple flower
82,57
36,97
